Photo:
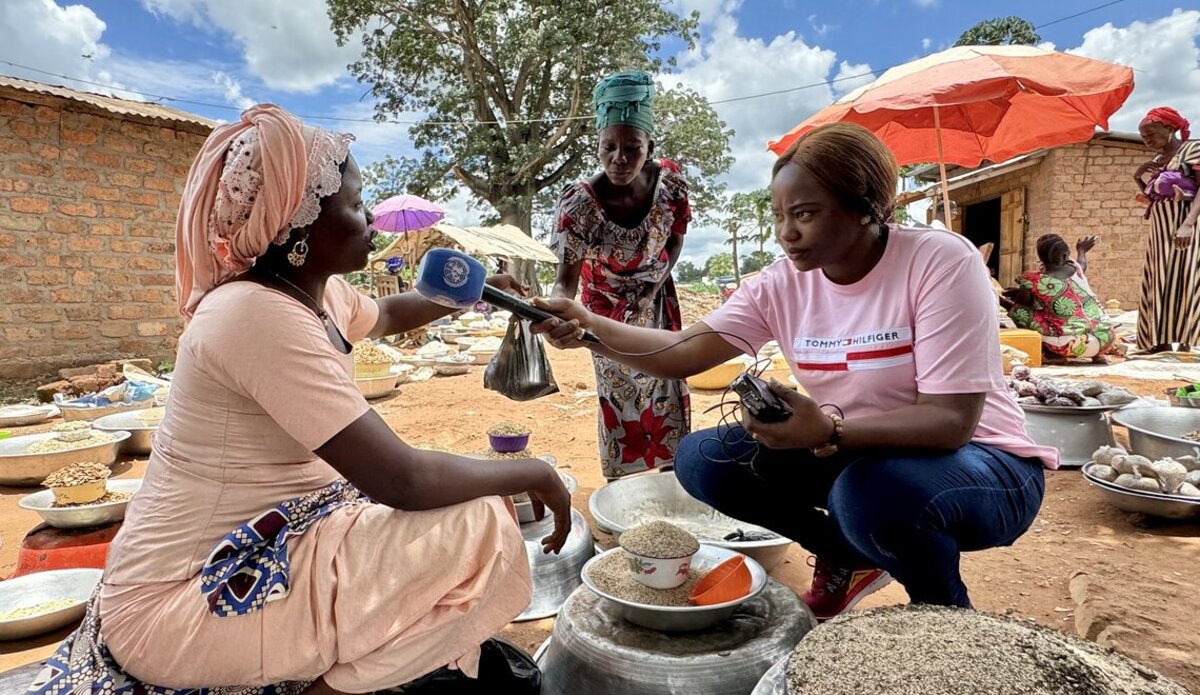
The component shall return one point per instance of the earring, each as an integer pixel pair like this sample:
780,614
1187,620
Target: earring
866,219
299,253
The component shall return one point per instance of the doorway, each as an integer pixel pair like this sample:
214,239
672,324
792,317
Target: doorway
981,225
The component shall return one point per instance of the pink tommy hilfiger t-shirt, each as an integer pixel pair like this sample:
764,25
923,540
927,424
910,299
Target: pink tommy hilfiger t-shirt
922,321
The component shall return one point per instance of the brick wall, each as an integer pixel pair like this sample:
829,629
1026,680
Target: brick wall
1079,190
87,237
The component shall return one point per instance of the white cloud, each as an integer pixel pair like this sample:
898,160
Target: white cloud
850,77
820,28
288,44
233,90
926,43
926,3
727,65
710,10
1166,60
47,36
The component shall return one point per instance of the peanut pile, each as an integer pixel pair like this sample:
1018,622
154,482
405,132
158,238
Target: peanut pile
366,352
77,474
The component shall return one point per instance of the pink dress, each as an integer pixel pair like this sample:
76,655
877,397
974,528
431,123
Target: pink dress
377,596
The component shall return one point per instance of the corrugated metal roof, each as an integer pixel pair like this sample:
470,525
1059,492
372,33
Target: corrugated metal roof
121,107
502,241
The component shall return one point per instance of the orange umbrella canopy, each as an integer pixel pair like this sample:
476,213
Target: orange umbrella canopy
992,102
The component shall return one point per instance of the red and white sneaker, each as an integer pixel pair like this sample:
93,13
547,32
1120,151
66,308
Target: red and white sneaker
835,590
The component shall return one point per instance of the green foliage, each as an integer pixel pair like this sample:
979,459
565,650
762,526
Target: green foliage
525,70
1002,31
704,288
718,264
686,271
756,261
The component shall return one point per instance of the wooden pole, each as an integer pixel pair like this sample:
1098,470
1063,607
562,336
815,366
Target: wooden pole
937,124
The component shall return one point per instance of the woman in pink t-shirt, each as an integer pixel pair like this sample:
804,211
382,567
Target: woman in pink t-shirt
910,449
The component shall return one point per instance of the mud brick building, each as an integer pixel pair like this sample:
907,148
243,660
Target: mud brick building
1073,191
89,189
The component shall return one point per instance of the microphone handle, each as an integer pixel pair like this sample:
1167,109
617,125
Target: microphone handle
522,308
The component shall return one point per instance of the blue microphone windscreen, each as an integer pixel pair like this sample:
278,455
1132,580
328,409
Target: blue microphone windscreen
450,278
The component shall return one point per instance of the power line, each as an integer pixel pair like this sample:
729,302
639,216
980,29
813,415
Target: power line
343,119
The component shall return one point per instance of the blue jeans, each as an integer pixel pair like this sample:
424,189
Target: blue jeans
910,513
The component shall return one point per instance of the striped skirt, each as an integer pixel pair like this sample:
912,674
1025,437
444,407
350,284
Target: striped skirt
1169,308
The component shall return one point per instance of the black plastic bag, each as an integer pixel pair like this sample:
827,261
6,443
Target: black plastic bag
520,369
503,668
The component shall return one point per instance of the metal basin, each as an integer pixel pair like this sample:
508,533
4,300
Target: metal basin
629,502
555,576
23,415
20,468
141,432
376,387
1158,432
83,516
774,681
594,651
1075,432
1148,503
40,587
682,618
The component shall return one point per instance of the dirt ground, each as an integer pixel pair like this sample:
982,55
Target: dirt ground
1136,584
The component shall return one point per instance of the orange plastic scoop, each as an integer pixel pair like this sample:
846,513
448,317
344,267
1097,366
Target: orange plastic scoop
728,581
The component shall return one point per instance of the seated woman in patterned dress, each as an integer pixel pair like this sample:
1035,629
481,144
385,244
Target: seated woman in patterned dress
1058,303
285,540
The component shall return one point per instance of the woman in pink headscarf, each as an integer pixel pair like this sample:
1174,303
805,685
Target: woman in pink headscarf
1169,310
284,538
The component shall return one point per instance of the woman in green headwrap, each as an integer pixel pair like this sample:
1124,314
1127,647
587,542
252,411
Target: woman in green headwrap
618,236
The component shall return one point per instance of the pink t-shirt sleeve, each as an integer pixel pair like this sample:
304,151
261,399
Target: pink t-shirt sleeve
289,367
742,315
361,312
956,337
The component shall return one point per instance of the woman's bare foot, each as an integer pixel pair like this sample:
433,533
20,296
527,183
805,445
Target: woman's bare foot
1165,347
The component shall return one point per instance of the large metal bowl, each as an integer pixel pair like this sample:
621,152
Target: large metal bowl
555,577
682,618
1075,432
1148,503
141,432
20,468
774,681
629,502
1157,432
24,415
376,387
83,516
40,587
593,651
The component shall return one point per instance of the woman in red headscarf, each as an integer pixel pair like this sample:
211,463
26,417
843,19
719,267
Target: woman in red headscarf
1169,310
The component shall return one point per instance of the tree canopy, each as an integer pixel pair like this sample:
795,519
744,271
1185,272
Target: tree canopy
503,90
1002,31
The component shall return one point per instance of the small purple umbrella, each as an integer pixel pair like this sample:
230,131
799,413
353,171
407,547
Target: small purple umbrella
406,213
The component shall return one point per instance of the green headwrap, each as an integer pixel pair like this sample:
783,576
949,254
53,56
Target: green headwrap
625,98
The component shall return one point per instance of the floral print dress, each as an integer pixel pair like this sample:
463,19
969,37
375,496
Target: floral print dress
1066,314
641,418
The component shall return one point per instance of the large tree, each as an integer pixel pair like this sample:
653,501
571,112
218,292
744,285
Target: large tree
1001,31
504,90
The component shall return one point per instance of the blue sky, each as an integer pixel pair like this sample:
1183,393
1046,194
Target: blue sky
231,53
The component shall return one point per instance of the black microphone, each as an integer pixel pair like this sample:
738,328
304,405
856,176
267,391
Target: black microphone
522,308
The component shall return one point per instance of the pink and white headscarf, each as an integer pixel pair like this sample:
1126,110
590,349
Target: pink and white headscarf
252,183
